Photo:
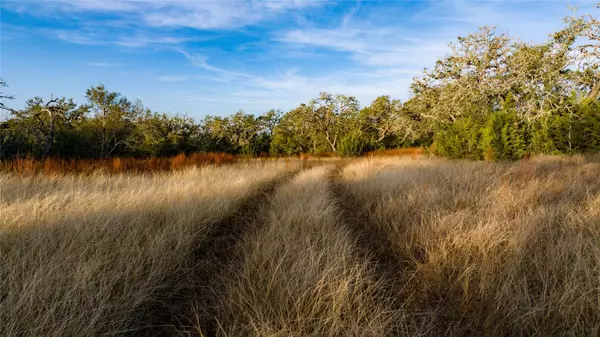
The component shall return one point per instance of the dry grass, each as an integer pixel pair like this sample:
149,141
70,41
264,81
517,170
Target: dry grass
300,275
54,166
413,152
90,255
384,246
490,248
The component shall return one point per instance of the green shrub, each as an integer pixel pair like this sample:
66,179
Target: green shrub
283,143
573,129
589,127
353,144
460,140
506,136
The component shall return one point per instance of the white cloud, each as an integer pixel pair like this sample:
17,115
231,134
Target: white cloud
100,36
286,90
100,64
95,5
224,14
385,58
144,40
201,61
372,47
75,37
174,78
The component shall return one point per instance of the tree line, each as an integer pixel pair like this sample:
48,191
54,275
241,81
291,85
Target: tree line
491,97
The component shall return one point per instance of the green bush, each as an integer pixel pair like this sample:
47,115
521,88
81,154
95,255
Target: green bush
283,143
460,140
353,144
588,127
506,136
573,129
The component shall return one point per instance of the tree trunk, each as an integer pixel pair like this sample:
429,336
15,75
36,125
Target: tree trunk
595,91
382,134
329,141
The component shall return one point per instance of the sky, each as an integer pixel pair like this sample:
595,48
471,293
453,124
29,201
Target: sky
218,57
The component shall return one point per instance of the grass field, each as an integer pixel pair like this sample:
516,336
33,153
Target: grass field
364,247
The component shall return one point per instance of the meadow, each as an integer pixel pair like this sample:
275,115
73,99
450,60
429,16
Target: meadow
375,246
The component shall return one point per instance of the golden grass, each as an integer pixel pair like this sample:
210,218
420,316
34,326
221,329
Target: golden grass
490,248
300,275
88,255
382,246
413,152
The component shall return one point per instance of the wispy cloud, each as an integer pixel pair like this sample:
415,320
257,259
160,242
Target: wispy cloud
371,46
145,40
202,62
100,36
385,58
226,14
101,64
75,37
174,78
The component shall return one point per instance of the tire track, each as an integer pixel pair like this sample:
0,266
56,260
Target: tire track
200,286
371,239
374,245
301,274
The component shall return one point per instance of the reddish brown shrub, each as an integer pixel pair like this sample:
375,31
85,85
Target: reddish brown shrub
55,166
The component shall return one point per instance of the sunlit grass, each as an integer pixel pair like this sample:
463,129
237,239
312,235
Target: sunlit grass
400,245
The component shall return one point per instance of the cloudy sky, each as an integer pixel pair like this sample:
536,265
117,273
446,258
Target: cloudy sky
217,57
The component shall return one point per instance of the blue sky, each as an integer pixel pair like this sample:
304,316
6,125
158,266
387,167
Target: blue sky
217,57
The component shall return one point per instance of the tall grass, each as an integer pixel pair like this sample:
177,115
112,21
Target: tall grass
300,275
505,249
413,152
54,166
382,246
89,255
